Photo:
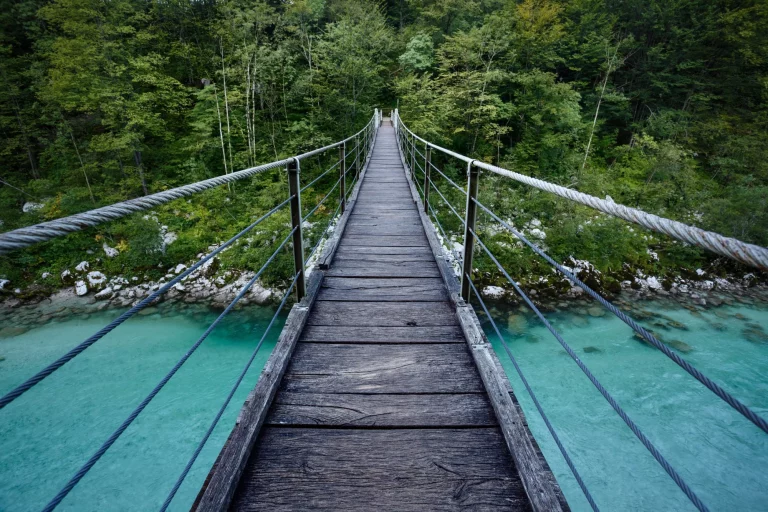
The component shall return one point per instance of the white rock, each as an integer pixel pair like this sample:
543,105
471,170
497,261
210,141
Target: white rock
46,275
111,252
179,268
134,278
65,274
96,278
106,293
179,287
536,223
700,272
494,292
30,207
169,238
537,233
653,283
81,288
707,285
3,282
82,266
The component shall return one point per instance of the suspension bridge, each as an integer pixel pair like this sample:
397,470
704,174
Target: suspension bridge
383,391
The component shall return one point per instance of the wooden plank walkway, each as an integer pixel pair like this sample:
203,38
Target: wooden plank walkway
381,406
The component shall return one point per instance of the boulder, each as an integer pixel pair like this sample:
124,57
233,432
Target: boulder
111,252
106,293
31,207
81,288
82,266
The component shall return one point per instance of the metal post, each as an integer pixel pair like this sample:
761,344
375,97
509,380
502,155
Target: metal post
357,157
294,189
427,183
342,178
473,173
413,156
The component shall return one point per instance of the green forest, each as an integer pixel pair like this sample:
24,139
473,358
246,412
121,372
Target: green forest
660,105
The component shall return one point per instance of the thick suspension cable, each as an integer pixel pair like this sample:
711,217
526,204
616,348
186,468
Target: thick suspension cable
728,398
48,370
751,254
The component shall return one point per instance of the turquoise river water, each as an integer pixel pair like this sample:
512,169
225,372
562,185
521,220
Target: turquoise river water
46,435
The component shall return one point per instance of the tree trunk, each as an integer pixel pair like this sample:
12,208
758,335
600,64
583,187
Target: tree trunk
140,167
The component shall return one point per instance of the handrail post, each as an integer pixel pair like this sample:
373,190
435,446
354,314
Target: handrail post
342,178
294,190
427,183
357,157
473,174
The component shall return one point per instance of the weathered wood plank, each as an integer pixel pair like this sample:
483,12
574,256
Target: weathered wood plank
403,470
375,369
385,258
387,229
225,475
413,269
374,289
389,241
352,251
350,410
352,334
382,314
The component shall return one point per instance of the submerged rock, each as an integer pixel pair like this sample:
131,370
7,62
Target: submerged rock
596,311
680,346
517,324
755,336
579,321
592,350
677,325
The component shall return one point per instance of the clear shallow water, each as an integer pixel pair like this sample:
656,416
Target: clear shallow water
47,434
722,456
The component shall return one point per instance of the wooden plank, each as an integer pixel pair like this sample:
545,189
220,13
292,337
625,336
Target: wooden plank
352,251
352,334
374,289
375,369
403,470
415,269
225,475
385,258
386,229
389,241
541,487
382,314
350,410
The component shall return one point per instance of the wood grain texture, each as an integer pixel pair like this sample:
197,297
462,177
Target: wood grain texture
354,411
382,314
390,241
326,469
352,334
224,476
369,368
409,289
413,269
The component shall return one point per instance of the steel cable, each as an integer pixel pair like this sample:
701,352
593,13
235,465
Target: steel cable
48,370
117,433
232,391
544,417
615,405
685,365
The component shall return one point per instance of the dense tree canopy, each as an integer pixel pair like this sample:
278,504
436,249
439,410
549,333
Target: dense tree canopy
659,104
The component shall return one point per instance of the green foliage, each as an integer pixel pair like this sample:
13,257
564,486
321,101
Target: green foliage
659,104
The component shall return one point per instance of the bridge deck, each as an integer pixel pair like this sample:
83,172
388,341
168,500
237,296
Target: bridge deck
381,405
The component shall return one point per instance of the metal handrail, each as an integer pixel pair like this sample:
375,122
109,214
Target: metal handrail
735,249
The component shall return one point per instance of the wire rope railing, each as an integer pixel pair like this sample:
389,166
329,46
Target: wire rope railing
746,253
363,140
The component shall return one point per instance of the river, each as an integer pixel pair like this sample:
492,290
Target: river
46,435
